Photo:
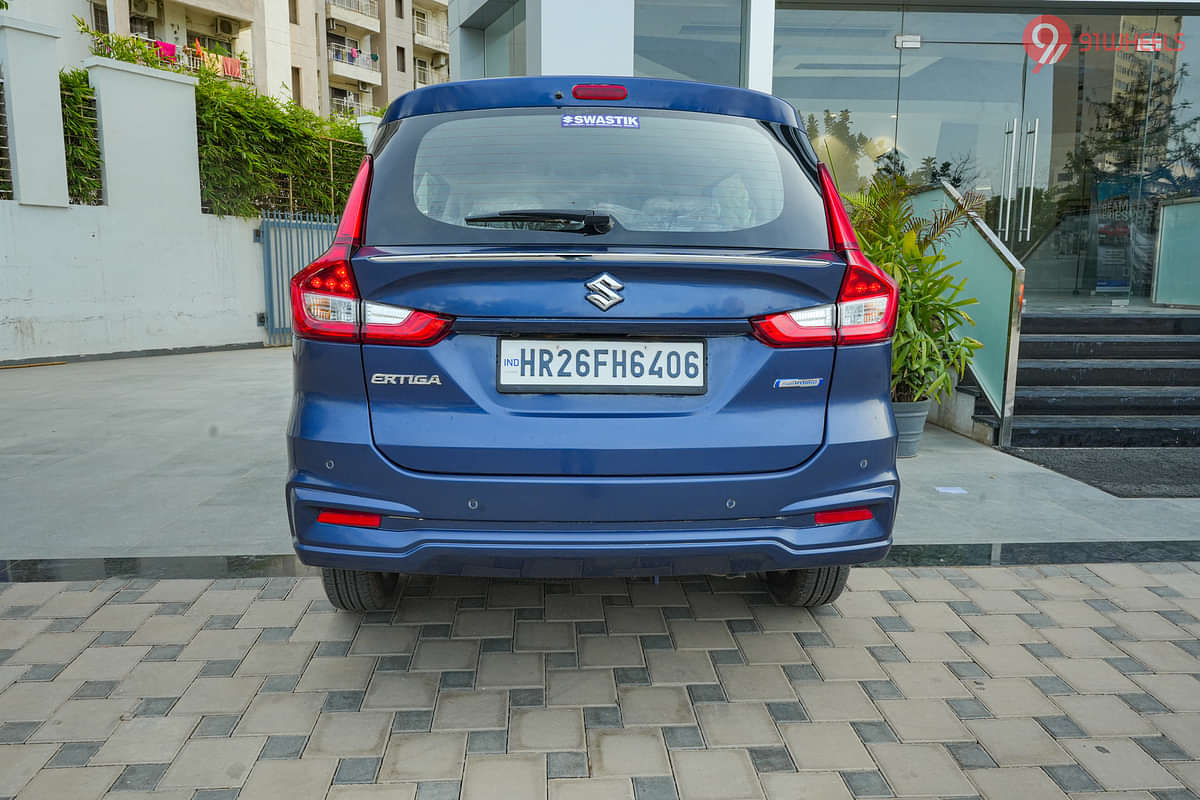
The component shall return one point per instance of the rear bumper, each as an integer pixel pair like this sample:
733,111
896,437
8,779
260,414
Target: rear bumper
582,524
548,550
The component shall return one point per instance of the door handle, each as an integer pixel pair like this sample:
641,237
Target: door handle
1006,178
1028,221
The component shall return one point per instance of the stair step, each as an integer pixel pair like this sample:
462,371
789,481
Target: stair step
1105,430
1112,322
1108,372
1072,345
1108,399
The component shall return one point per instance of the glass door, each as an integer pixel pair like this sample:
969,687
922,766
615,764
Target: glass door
961,120
1059,153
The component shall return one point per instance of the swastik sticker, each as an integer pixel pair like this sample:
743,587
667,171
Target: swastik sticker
600,121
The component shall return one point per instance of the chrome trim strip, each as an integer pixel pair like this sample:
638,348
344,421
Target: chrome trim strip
608,257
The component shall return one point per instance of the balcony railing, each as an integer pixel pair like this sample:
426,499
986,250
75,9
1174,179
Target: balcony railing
344,105
187,58
368,7
346,55
423,27
216,63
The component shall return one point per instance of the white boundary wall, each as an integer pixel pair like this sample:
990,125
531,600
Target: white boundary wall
145,271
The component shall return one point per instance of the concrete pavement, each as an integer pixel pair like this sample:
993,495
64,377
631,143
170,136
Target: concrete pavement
184,455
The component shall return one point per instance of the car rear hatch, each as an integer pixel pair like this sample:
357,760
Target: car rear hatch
558,246
743,407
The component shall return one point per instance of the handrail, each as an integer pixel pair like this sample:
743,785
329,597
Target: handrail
341,54
998,325
367,7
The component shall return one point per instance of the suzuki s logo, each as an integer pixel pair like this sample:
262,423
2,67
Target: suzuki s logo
604,291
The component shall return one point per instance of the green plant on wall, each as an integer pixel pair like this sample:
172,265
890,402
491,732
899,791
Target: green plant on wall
80,137
255,151
927,355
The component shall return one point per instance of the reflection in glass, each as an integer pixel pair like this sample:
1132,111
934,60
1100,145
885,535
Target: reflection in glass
839,69
695,40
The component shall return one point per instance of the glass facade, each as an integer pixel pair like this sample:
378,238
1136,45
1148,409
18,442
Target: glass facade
695,40
1079,160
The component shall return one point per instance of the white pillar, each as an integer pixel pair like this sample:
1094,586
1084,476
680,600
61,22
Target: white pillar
579,37
760,44
367,124
147,121
29,62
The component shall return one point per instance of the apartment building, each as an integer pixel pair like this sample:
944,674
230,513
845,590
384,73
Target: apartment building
330,56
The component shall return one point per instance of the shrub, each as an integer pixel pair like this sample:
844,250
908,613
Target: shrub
927,356
255,151
84,164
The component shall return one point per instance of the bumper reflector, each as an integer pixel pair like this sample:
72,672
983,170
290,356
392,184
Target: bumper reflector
843,515
358,519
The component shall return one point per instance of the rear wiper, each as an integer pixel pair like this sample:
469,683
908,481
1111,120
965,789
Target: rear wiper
545,219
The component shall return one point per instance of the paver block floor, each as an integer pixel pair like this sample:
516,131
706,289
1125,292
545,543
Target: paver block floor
1078,682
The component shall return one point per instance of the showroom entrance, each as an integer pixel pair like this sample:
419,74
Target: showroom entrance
1088,162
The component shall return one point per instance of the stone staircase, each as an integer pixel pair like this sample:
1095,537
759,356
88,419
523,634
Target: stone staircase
1106,380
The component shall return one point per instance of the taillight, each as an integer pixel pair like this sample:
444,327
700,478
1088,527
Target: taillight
807,327
383,324
325,299
866,304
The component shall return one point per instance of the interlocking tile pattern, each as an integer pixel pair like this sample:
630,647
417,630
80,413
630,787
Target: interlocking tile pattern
1078,682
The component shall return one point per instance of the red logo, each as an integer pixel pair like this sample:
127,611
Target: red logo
1047,39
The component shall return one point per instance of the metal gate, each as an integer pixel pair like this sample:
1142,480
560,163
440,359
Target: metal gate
290,242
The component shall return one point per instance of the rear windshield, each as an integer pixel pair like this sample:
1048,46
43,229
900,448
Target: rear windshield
661,177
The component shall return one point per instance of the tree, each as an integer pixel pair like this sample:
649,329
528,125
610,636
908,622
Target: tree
839,146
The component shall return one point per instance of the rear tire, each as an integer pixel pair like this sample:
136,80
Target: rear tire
356,590
808,587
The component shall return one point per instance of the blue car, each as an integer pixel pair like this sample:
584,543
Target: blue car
574,327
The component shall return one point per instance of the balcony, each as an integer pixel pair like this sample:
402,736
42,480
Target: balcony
344,105
231,68
354,65
214,63
363,14
431,35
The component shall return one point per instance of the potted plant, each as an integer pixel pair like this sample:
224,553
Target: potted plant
927,356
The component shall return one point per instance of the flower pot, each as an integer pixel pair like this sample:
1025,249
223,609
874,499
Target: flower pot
910,422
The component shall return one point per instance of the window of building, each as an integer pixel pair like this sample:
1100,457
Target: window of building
400,59
294,12
420,22
141,26
100,17
400,9
421,67
699,40
296,88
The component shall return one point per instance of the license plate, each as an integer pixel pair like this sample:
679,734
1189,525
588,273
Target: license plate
601,367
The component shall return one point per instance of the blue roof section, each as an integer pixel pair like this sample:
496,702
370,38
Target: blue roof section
540,91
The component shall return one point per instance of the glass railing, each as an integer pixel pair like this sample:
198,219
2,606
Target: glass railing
996,278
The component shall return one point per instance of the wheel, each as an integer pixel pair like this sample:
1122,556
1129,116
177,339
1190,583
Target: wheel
356,590
808,587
